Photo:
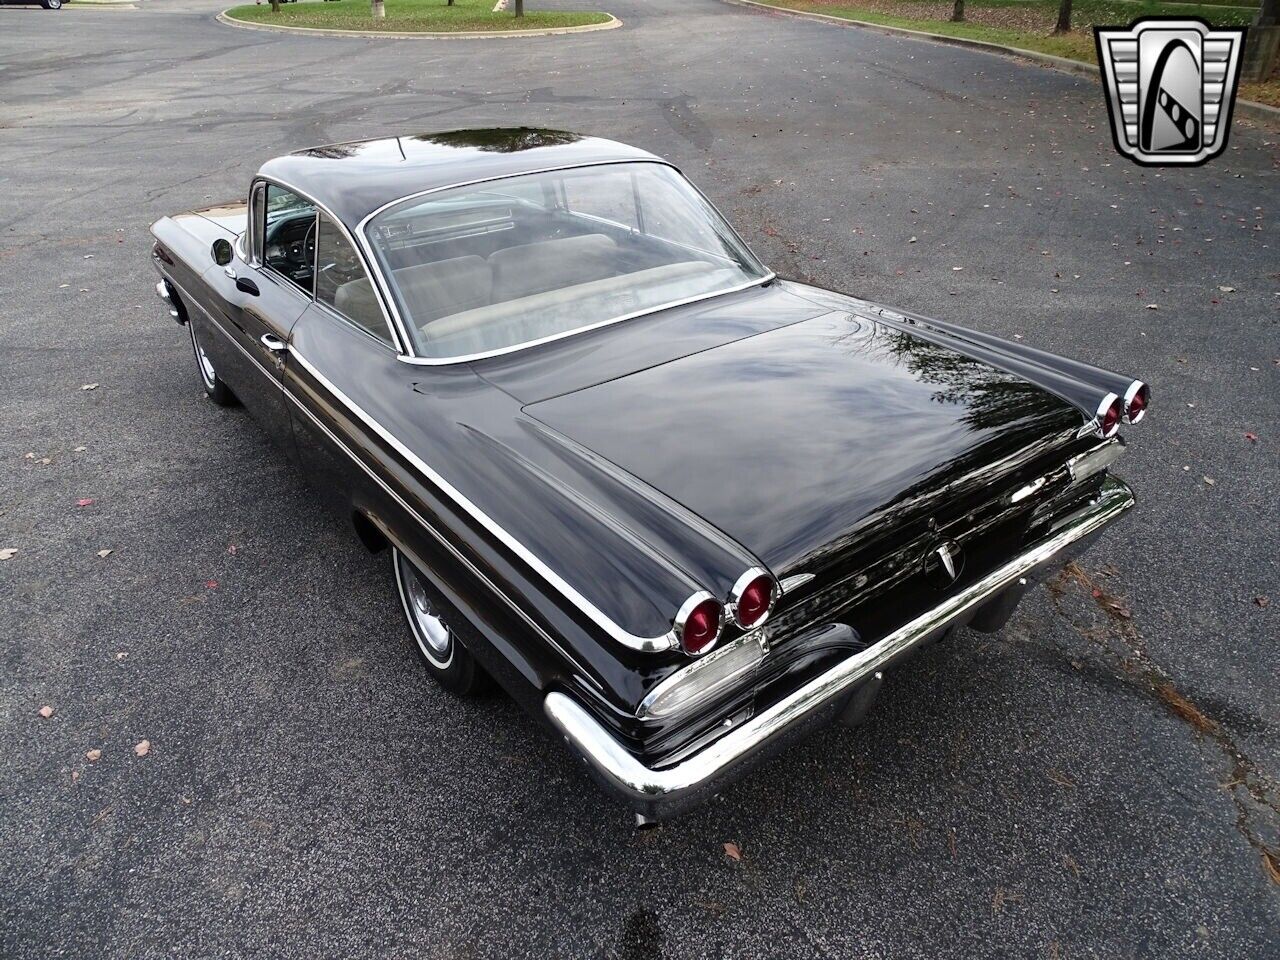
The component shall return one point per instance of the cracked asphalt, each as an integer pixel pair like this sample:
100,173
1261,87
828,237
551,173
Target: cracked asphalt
1098,780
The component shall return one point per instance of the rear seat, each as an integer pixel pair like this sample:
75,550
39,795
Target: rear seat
456,287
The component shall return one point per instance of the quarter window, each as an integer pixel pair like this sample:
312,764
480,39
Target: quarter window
342,283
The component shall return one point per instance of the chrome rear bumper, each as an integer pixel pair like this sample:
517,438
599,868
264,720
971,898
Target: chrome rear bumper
654,793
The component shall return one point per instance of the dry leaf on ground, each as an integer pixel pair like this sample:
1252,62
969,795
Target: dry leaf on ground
8,553
105,553
142,748
93,755
46,711
88,386
733,851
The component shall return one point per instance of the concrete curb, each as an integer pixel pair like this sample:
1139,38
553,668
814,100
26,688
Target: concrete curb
1243,108
433,35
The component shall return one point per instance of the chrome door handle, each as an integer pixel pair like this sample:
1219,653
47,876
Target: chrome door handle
273,343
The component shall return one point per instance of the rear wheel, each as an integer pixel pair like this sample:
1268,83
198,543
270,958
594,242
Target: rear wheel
51,4
442,653
218,391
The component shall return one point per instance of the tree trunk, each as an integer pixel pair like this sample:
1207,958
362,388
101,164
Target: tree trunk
1064,17
275,6
957,14
377,9
1262,43
519,8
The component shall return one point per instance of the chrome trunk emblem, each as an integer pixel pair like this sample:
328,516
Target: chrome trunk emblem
1171,84
944,563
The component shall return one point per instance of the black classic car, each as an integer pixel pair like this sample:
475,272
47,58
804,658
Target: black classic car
680,508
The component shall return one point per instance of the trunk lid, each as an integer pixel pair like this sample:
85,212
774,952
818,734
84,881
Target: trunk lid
806,442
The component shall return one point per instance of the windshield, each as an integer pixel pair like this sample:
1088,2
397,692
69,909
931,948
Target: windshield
486,268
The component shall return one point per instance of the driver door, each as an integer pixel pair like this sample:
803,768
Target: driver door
260,299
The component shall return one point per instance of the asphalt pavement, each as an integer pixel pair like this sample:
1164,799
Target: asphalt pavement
1097,780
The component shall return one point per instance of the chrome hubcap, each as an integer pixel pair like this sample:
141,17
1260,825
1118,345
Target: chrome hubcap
206,365
431,632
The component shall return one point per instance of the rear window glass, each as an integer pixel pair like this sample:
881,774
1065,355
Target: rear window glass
486,268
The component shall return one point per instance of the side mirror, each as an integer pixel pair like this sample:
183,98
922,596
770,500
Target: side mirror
222,252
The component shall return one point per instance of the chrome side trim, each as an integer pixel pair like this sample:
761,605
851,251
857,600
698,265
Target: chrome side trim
645,786
1134,389
666,641
426,525
794,582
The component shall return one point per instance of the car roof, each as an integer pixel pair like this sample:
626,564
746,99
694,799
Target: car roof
354,179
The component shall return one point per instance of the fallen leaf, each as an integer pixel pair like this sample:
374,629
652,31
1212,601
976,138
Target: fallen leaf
1263,602
88,386
105,553
122,655
93,755
81,449
142,748
1272,865
1153,306
1227,289
46,711
957,268
733,851
84,502
912,240
1069,862
233,549
211,584
1060,778
8,553
1251,437
1209,481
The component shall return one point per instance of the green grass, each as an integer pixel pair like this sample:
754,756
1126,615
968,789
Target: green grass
413,16
1028,24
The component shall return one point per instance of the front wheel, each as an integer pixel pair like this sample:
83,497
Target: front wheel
51,4
444,656
218,391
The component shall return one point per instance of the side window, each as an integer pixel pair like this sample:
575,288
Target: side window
342,283
289,237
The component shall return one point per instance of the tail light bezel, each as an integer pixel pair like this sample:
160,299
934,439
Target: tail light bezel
682,619
1110,402
1136,389
740,586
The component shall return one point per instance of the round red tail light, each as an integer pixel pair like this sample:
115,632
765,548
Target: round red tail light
1136,401
698,623
753,597
1109,414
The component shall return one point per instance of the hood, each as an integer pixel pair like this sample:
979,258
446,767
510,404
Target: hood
804,435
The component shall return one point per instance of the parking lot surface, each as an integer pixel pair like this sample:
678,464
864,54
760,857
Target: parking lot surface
1097,780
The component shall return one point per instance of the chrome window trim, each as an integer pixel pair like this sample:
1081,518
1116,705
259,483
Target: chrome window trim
663,642
408,355
398,334
426,525
471,357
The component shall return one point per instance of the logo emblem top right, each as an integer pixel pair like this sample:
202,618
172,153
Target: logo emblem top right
1171,85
